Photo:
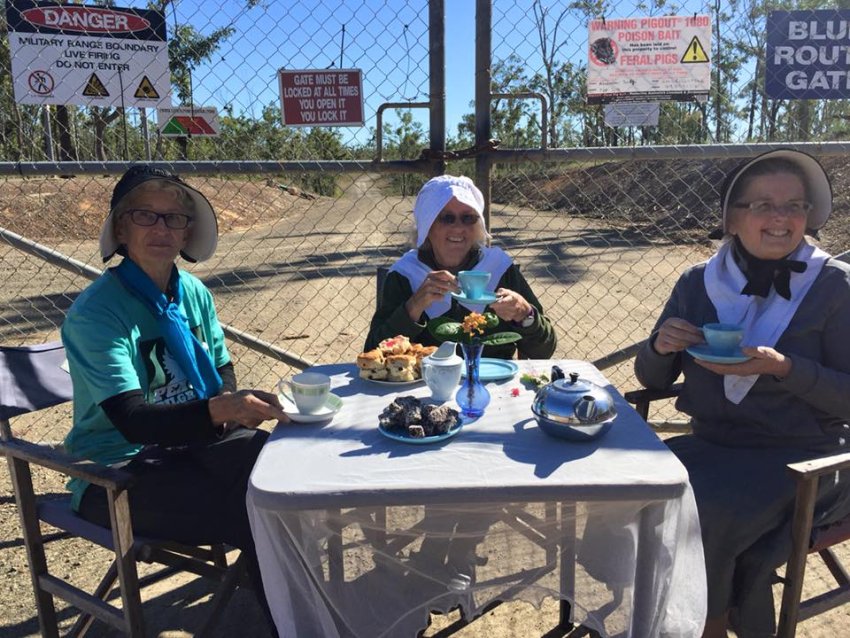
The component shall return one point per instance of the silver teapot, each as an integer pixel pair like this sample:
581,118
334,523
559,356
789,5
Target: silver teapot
573,408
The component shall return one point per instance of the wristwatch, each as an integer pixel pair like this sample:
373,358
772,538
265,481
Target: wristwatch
529,319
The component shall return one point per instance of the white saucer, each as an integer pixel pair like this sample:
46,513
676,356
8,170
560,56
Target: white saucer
331,407
483,300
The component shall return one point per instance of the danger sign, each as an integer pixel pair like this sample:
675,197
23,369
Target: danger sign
650,58
87,55
321,97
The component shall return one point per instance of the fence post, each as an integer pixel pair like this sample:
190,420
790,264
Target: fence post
483,25
437,87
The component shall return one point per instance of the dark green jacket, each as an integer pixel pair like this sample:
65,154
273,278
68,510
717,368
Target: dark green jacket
391,319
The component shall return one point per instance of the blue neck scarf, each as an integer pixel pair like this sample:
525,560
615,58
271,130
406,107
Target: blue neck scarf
184,346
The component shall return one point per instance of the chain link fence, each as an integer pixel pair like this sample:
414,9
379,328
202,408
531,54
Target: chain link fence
602,221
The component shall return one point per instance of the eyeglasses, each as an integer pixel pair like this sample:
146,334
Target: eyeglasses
449,219
175,221
765,208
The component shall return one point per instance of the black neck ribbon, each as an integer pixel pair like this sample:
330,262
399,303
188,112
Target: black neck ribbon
761,274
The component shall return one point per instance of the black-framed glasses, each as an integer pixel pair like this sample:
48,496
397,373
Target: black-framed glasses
450,219
766,208
143,217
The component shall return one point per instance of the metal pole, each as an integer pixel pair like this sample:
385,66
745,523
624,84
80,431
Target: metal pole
144,116
48,133
483,24
437,72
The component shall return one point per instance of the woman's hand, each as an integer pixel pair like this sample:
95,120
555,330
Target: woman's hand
511,306
764,360
246,407
675,335
437,285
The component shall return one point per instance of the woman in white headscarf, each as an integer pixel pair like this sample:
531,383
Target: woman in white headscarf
450,237
784,397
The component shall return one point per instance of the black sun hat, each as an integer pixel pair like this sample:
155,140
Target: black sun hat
817,181
204,236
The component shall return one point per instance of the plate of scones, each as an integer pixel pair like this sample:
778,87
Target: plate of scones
396,361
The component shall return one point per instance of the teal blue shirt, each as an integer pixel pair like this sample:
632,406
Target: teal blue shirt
114,345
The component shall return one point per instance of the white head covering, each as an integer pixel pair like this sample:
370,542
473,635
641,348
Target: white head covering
436,193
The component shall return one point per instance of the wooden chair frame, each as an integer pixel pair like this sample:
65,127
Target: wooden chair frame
21,454
806,538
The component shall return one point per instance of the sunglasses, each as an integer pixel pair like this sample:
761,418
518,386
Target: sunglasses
449,219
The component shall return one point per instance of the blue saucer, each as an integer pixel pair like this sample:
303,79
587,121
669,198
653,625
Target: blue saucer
494,369
483,300
403,437
703,352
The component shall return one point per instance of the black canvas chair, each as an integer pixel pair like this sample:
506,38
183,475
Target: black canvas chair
33,378
806,538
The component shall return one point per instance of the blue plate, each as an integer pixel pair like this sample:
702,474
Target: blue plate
483,300
703,352
494,369
398,435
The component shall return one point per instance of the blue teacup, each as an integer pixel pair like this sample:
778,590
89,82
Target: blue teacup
473,282
723,338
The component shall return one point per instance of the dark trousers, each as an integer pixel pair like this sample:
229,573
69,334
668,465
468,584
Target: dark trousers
192,494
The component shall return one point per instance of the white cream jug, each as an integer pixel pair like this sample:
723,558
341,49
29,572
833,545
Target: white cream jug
441,371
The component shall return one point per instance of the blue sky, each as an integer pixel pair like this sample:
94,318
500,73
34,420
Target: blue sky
390,45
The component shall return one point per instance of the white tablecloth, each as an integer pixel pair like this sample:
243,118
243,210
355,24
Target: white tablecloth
360,535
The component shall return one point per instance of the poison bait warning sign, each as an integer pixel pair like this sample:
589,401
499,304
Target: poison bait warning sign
648,59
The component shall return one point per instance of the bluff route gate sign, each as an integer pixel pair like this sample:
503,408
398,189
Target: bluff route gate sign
87,55
808,55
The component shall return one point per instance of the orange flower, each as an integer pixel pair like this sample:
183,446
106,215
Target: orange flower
473,324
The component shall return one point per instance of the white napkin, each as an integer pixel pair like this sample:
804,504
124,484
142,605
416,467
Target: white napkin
763,319
494,260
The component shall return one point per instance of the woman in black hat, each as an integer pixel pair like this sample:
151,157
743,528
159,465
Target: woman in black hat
154,388
784,396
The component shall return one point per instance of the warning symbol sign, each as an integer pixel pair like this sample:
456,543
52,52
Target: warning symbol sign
95,88
146,90
695,53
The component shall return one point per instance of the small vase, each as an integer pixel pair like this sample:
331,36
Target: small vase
472,397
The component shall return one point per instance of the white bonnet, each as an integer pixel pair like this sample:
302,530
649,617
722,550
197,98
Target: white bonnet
436,193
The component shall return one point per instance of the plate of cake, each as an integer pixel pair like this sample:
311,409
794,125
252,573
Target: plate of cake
396,361
411,420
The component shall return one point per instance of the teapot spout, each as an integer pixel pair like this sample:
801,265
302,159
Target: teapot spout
445,351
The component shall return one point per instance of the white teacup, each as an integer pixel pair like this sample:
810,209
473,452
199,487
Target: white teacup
307,390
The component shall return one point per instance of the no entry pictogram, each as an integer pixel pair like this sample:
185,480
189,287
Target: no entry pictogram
41,82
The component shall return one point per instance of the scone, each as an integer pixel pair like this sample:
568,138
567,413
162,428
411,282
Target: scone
420,352
372,365
396,345
402,367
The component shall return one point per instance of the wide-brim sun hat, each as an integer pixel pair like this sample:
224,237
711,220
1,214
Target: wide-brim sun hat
436,193
203,237
817,183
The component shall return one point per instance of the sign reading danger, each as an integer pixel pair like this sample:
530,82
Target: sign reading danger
321,97
87,55
641,59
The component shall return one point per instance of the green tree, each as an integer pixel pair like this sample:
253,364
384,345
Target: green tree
404,140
